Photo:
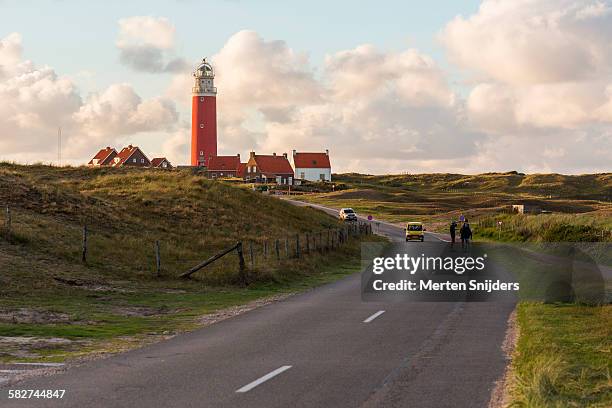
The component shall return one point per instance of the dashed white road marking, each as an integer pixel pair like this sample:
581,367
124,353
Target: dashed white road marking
12,371
374,316
263,379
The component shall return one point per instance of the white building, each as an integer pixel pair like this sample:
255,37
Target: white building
312,166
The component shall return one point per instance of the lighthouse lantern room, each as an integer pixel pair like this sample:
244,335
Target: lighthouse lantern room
203,115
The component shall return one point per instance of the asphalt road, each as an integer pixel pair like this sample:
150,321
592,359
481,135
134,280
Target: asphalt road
322,348
386,229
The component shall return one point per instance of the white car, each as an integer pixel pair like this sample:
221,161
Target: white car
348,214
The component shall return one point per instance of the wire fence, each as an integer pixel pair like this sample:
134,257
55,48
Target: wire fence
160,256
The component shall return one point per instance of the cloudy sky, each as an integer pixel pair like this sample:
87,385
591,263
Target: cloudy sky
408,86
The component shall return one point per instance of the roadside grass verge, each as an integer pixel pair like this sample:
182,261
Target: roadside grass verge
563,356
58,322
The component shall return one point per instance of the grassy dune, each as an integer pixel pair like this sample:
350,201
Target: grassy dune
438,198
59,307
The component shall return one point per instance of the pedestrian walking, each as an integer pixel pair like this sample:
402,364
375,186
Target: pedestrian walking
453,229
466,234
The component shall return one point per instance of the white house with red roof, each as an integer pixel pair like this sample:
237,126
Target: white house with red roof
312,166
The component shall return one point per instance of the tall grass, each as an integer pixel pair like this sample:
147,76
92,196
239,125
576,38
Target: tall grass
591,227
127,210
562,357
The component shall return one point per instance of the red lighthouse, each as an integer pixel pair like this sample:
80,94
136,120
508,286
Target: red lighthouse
203,115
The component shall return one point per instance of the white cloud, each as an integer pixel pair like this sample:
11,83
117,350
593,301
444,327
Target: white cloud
36,101
177,146
365,106
145,30
545,71
545,63
119,111
534,41
147,44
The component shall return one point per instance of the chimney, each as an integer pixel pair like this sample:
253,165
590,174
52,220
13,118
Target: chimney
294,152
238,155
327,152
107,147
274,154
285,155
252,155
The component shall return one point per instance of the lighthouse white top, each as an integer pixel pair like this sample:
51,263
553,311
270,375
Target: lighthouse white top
204,80
204,70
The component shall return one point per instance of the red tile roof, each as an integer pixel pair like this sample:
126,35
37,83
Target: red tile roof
102,155
223,163
270,164
156,162
125,154
311,161
241,169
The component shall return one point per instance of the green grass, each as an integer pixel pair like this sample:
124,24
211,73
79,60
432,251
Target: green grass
99,320
563,356
127,210
116,300
587,227
581,204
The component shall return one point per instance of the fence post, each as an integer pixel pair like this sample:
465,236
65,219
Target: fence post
307,243
251,254
8,222
241,265
297,245
287,247
84,249
277,247
265,249
157,259
328,239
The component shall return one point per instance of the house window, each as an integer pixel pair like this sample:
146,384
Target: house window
302,175
164,164
202,99
134,160
142,160
322,177
201,126
201,152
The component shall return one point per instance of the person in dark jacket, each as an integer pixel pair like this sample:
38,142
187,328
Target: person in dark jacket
453,229
466,234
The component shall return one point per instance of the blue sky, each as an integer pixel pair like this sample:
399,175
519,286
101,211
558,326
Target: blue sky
77,36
